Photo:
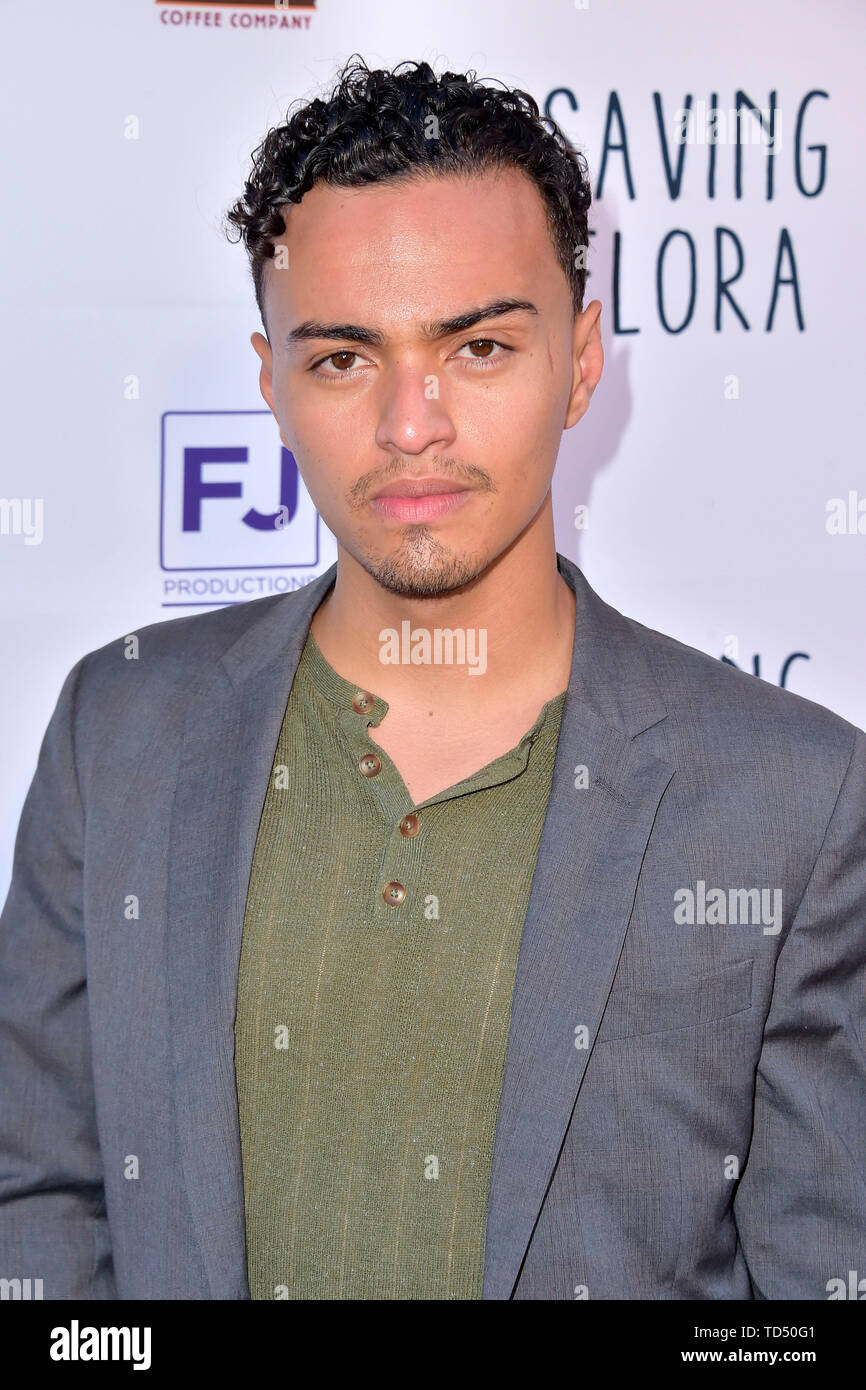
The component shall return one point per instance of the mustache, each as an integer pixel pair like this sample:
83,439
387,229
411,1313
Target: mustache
468,473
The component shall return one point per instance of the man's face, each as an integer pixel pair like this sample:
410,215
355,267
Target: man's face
482,407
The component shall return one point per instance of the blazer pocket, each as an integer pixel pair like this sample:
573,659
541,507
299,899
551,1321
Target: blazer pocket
633,1012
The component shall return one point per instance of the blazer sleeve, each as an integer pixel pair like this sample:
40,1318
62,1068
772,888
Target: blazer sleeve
800,1207
53,1223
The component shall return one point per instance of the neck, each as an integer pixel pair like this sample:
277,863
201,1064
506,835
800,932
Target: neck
518,620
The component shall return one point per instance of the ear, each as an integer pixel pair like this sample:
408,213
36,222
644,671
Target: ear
266,382
587,362
263,349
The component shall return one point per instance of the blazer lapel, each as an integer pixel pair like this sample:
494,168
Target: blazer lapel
583,889
233,723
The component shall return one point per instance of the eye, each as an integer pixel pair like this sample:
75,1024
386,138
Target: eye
343,368
487,358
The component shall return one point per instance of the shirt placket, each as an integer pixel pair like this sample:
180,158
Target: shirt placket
397,901
400,900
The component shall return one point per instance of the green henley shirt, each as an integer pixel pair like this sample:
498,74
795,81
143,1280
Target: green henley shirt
378,960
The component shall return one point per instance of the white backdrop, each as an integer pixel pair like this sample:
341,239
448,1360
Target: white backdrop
711,456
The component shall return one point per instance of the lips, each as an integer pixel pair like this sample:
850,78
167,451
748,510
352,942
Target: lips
420,487
420,507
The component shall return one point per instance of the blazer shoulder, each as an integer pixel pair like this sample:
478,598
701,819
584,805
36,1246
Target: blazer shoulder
690,680
183,645
167,657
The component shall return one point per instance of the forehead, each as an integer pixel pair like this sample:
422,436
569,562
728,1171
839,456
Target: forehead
407,250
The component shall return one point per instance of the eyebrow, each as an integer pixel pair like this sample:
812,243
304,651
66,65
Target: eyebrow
441,328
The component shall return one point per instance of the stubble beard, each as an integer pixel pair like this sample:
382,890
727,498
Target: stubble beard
422,567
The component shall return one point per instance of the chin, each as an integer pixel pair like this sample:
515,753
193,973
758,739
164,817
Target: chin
421,566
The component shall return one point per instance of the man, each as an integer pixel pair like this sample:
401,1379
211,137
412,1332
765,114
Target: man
336,968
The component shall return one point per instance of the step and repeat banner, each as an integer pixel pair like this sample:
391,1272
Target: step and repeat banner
715,491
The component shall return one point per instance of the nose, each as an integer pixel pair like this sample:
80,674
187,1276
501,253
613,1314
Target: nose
413,413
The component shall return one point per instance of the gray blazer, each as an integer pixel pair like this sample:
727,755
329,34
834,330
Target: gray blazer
682,1110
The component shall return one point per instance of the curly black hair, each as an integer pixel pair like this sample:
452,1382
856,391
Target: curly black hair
378,125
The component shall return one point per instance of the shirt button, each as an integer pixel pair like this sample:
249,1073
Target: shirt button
394,894
410,825
370,765
362,702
